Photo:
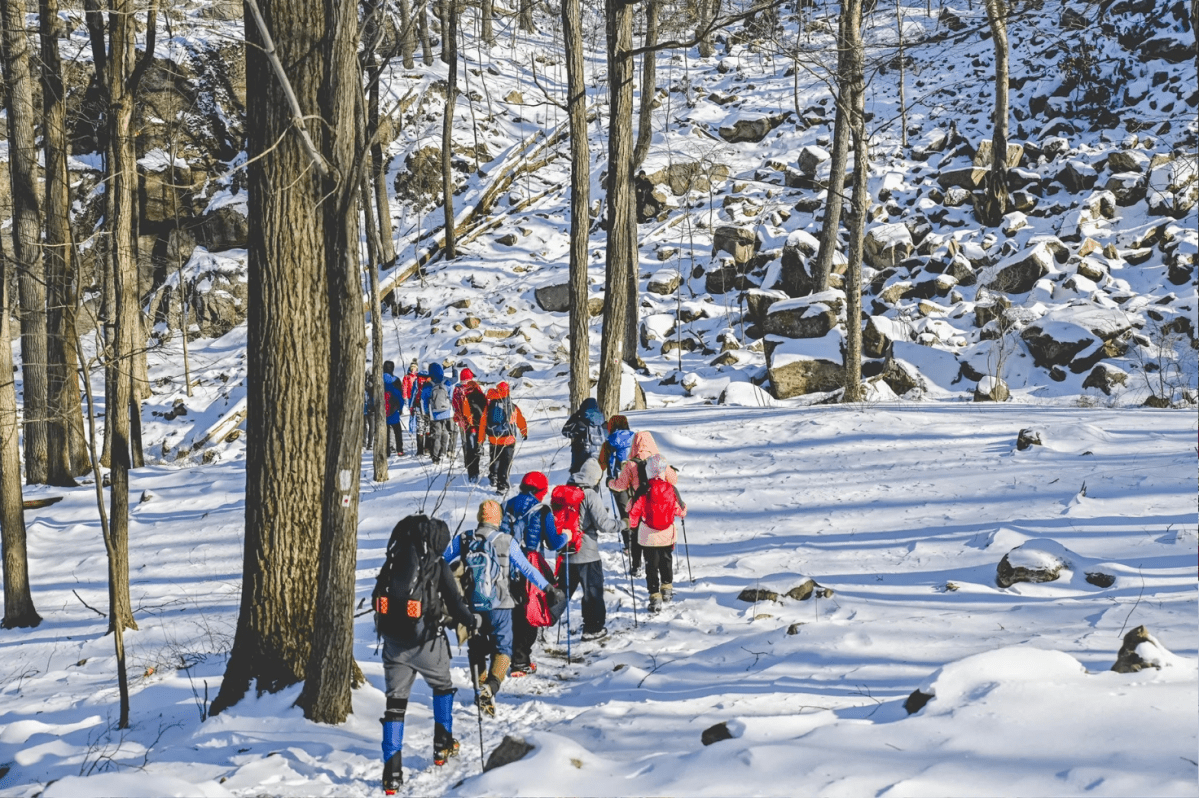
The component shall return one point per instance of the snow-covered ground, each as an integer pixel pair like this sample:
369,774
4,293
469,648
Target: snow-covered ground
904,511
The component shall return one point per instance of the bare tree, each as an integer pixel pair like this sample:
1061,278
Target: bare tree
649,85
580,191
487,13
992,205
27,234
373,67
449,49
831,225
855,88
407,36
18,601
377,427
525,16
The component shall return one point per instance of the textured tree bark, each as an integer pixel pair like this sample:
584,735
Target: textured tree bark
27,234
331,669
618,262
372,33
525,16
67,447
649,86
487,12
378,427
449,50
993,204
836,184
407,36
18,600
580,198
855,88
287,362
420,9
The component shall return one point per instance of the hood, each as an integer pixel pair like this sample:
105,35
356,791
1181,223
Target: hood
466,375
655,466
498,392
436,372
588,474
589,404
594,417
643,447
618,422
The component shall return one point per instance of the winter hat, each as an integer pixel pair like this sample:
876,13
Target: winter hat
436,372
618,422
655,466
535,483
491,513
589,404
466,375
588,474
413,366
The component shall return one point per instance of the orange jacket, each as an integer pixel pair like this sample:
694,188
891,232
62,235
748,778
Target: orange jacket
517,419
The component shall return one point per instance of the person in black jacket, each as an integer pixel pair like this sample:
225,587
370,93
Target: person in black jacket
414,640
588,430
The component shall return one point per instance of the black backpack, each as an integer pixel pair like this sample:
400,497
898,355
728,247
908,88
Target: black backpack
477,400
409,579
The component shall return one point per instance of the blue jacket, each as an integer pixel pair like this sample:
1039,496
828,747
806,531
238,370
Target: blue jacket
392,387
531,522
437,375
516,560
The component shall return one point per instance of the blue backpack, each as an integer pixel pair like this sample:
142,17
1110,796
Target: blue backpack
619,444
499,424
481,572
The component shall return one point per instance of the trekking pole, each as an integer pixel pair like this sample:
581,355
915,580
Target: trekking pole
474,675
567,552
688,546
628,567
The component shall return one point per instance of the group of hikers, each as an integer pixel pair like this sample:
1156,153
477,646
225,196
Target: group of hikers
518,569
444,404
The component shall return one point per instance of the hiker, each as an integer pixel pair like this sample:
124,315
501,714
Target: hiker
615,452
581,503
502,421
435,404
451,376
368,415
470,406
490,560
414,381
393,395
652,514
585,428
648,206
531,524
412,587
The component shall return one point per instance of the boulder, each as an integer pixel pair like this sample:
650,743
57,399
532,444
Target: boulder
758,302
901,376
810,159
714,734
1172,188
984,155
725,275
1168,48
1029,563
1105,377
1077,176
553,298
1018,273
991,389
1100,579
750,130
887,245
511,749
1138,651
1055,343
756,594
991,309
664,282
222,229
798,252
740,242
806,366
1134,161
966,177
917,700
813,316
216,293
683,176
807,589
1127,187
880,333
1028,438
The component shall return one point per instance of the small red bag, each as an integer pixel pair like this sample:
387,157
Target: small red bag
537,608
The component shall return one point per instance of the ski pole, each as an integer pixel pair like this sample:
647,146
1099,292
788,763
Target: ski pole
688,546
474,675
628,568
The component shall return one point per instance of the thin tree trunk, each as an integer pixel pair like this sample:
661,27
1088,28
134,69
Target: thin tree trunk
449,49
704,12
288,380
836,183
378,426
618,262
580,198
407,36
856,91
372,34
27,234
67,447
18,600
525,16
649,86
993,205
487,12
420,9
903,104
331,669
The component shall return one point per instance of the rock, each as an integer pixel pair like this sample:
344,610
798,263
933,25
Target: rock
664,282
1127,187
880,333
1172,189
1134,161
740,242
1028,438
1019,273
472,322
1028,564
917,700
511,749
887,245
723,276
967,177
223,229
1056,343
756,594
165,193
1167,48
804,367
810,159
994,308
983,156
216,293
901,376
758,302
793,629
750,130
1073,20
798,252
553,298
809,588
1137,644
514,97
1100,579
813,316
990,389
950,19
595,306
714,734
516,372
507,239
1054,146
1077,176
684,176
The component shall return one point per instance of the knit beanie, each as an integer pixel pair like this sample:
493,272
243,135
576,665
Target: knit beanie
466,375
536,483
491,513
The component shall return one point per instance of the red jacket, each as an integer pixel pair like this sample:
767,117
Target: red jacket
463,413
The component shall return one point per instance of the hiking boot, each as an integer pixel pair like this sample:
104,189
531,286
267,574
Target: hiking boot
441,755
667,594
393,775
655,602
596,635
523,670
486,701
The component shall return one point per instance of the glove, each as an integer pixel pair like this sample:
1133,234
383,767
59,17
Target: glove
473,626
553,596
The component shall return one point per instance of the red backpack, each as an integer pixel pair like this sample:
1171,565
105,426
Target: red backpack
565,502
661,504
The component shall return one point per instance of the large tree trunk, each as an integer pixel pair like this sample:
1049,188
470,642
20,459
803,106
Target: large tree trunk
18,601
27,234
288,359
525,16
649,86
487,12
580,198
841,137
993,204
67,446
331,668
421,11
407,36
449,50
855,91
619,260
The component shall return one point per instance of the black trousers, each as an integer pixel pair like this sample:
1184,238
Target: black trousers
501,465
394,429
659,567
470,452
591,576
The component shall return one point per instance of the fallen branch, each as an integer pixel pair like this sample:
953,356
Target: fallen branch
89,606
37,504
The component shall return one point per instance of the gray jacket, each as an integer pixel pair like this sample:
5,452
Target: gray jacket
594,518
515,559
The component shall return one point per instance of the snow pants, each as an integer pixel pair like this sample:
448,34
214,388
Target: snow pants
439,438
470,453
659,567
591,576
501,465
